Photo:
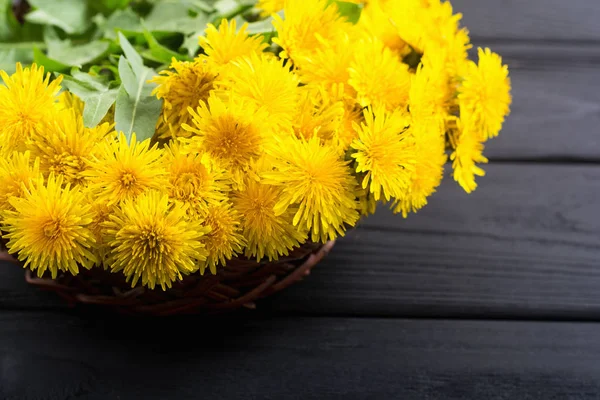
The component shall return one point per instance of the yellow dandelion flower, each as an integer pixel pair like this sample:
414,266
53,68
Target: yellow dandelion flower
353,114
69,100
418,23
378,76
377,20
328,65
152,240
466,155
307,24
195,180
185,84
441,29
27,105
455,47
67,145
430,157
224,241
225,44
266,83
231,132
317,114
430,90
100,214
267,234
268,7
318,181
485,93
119,171
385,151
17,174
50,228
366,200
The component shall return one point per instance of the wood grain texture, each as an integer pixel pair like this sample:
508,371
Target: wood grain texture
556,110
576,20
524,245
59,356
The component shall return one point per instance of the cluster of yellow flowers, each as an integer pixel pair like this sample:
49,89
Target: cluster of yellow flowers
260,146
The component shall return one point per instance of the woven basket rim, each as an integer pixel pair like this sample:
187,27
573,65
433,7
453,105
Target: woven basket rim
239,284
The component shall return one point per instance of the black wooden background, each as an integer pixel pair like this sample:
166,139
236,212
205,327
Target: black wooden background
494,295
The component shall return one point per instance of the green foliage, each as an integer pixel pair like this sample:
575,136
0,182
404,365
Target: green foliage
98,95
69,15
8,23
108,50
137,110
159,53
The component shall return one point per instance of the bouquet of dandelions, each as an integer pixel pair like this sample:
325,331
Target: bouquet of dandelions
260,144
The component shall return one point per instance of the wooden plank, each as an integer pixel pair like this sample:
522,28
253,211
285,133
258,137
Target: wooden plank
524,245
58,356
575,20
556,111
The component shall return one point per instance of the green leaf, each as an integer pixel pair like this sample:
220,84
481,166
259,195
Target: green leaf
77,56
69,15
9,57
230,8
12,31
175,16
134,59
160,53
261,27
104,70
106,6
191,43
6,20
129,78
114,4
97,96
74,56
120,20
205,6
49,64
136,110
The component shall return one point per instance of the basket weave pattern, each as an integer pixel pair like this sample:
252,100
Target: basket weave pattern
237,285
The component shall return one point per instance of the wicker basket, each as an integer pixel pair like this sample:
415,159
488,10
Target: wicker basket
237,285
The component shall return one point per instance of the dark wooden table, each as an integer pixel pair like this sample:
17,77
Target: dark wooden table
494,295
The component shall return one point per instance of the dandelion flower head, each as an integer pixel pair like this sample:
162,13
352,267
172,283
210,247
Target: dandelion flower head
231,132
120,170
484,95
17,175
66,146
195,180
28,100
465,157
384,152
224,240
49,228
315,179
151,240
225,44
267,83
378,76
267,234
307,24
185,84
